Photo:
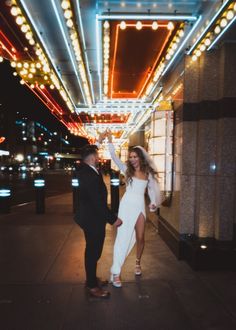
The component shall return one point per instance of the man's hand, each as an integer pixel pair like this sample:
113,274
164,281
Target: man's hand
118,222
101,137
152,207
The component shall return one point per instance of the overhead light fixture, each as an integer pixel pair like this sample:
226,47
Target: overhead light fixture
139,25
106,25
217,29
123,25
154,25
222,32
223,22
170,26
208,26
189,18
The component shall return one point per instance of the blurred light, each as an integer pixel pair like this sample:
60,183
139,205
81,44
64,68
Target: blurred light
65,4
203,247
170,26
68,14
106,25
217,29
207,42
19,20
139,25
19,157
223,22
14,11
123,25
154,25
69,23
230,15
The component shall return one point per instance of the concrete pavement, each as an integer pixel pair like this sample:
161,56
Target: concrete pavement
42,280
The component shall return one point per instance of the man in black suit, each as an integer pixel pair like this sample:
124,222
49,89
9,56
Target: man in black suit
92,216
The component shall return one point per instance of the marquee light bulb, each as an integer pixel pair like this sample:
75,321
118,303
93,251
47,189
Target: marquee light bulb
123,25
19,20
14,11
170,26
106,25
230,15
65,4
154,25
223,22
139,25
68,14
217,29
69,23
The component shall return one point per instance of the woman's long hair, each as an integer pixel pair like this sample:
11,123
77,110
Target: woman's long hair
144,165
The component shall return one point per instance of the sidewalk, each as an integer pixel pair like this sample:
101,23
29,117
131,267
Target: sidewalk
42,280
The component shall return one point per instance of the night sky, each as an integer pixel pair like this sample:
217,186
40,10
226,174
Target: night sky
18,98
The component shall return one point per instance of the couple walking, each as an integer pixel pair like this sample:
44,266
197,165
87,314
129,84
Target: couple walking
93,212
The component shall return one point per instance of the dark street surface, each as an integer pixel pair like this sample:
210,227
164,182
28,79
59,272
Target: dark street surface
42,280
22,185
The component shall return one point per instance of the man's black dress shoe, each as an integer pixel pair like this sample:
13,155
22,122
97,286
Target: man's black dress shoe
99,293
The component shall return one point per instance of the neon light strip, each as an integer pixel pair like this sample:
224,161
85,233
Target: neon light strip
221,34
154,65
51,100
115,53
207,27
42,100
7,40
98,57
45,48
182,45
68,48
85,48
147,17
7,50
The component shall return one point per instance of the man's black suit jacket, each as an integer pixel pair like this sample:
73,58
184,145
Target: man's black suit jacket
93,212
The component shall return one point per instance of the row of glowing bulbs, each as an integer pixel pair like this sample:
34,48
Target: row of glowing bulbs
221,24
28,70
106,50
139,25
68,14
21,21
170,52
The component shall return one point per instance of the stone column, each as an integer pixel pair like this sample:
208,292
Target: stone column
205,148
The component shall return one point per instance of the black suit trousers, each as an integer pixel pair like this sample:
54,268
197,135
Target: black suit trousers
93,250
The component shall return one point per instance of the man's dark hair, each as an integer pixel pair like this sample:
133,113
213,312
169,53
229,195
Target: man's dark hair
87,150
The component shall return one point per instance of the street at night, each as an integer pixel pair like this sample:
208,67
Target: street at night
22,185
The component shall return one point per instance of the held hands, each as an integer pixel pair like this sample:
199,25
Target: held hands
109,135
118,222
103,135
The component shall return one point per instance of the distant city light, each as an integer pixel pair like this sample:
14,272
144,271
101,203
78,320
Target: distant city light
19,158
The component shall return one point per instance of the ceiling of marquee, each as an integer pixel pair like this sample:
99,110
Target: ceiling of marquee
62,60
134,55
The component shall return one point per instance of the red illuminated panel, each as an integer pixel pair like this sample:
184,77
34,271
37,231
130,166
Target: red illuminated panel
135,55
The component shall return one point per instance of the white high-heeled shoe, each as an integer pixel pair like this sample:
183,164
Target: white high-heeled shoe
115,280
137,270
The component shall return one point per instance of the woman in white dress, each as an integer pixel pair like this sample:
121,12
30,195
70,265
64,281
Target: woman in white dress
140,172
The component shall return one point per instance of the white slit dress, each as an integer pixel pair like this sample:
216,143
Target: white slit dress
131,206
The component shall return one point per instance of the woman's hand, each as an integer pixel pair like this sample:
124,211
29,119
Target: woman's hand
109,136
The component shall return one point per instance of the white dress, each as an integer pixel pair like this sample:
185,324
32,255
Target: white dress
131,206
